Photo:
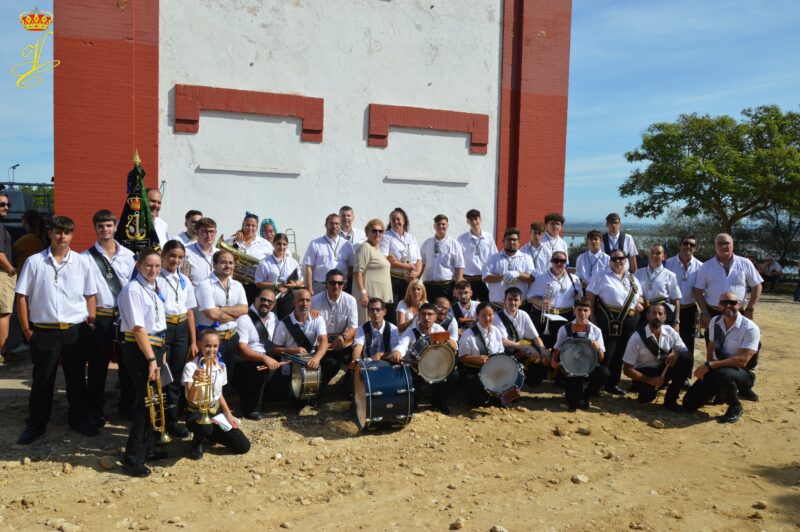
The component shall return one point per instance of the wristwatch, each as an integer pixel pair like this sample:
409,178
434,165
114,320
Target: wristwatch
708,364
151,359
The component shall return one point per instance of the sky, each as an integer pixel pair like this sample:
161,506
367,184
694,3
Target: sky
632,63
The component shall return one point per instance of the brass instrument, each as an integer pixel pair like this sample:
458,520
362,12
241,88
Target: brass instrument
544,357
156,399
291,238
203,395
186,267
244,268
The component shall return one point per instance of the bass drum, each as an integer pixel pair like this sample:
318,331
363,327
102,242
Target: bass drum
383,394
502,376
436,362
305,381
577,357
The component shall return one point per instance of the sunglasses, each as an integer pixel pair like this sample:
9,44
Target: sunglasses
728,303
558,261
266,300
5,205
618,259
377,231
689,244
336,283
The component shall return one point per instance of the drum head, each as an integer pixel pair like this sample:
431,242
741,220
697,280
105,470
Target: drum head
360,394
297,380
499,373
436,363
578,358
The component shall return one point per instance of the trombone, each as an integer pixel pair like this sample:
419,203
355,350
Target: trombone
156,399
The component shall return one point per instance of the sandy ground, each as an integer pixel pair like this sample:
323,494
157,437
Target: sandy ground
513,468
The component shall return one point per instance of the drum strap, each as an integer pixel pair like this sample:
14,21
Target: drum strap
511,329
651,344
446,323
719,340
479,341
457,313
387,335
297,334
261,329
108,272
607,243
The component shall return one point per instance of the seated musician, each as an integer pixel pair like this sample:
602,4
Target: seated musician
376,338
195,371
660,285
731,360
256,330
413,341
519,327
656,355
476,345
464,307
302,334
445,319
581,327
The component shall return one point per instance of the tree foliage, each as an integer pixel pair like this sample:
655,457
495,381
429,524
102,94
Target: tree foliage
717,167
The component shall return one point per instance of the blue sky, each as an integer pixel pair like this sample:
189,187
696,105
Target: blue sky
632,63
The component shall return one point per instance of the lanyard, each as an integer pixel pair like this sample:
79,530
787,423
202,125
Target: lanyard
155,292
63,265
437,246
405,255
280,267
174,288
334,249
202,255
226,289
652,278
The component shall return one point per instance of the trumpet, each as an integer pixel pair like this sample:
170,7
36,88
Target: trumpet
548,298
205,388
155,403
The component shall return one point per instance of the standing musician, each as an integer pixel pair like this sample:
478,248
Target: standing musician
445,318
614,239
256,329
352,234
478,246
618,296
685,267
111,267
339,310
401,250
56,309
180,342
553,223
189,236
655,356
281,272
328,252
208,363
731,360
554,292
518,326
154,198
142,320
464,308
593,260
442,260
536,250
577,396
413,341
508,268
377,337
220,301
660,285
247,239
198,263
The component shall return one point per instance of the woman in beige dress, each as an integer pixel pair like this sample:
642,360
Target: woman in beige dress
371,271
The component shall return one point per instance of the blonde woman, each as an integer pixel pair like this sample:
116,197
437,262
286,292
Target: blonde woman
408,308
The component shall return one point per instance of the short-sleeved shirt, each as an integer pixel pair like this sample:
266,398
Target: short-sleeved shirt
686,276
312,328
477,250
441,258
521,321
211,294
403,248
658,283
356,236
140,305
639,356
554,243
744,334
325,254
563,289
219,378
122,262
179,296
337,315
493,338
248,334
502,263
594,334
712,279
408,338
613,291
628,246
470,312
161,230
273,270
376,336
589,264
202,265
540,257
259,248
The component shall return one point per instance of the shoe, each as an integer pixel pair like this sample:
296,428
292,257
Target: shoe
197,451
86,427
255,415
29,434
178,431
685,385
99,422
748,395
732,415
443,408
615,390
674,406
156,456
136,470
584,404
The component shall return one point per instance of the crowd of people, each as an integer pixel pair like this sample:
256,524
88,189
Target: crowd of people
176,315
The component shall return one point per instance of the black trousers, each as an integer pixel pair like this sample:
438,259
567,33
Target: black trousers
574,390
102,347
141,437
228,350
234,440
440,391
331,363
48,346
552,328
437,289
615,345
688,316
177,348
535,374
479,289
250,384
722,382
127,394
399,287
674,378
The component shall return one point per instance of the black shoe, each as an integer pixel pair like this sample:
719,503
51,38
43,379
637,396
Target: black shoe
177,431
29,434
615,390
443,408
136,470
673,405
584,404
156,456
86,427
197,451
255,415
732,415
748,395
685,385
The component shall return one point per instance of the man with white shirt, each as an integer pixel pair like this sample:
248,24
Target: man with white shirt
189,236
660,285
198,264
685,267
553,223
445,318
593,260
442,261
354,235
654,356
256,329
376,338
154,199
614,239
111,267
464,307
328,252
508,268
536,250
478,246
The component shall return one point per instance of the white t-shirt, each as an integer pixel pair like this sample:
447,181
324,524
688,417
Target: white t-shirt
500,264
589,264
338,315
522,322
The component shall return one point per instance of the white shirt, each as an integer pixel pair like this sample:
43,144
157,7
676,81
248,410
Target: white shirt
613,291
522,322
540,257
408,338
337,315
500,264
554,243
628,247
377,339
211,294
477,250
452,328
356,236
312,328
403,309
687,276
219,378
493,338
589,264
403,248
441,258
56,302
711,278
594,334
123,264
273,270
259,248
774,267
248,334
324,254
161,230
639,356
178,292
141,306
563,289
743,334
658,283
466,313
202,264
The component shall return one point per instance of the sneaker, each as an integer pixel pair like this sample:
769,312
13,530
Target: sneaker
732,415
29,435
748,395
197,451
136,470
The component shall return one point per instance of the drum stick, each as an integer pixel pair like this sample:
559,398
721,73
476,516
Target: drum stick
266,368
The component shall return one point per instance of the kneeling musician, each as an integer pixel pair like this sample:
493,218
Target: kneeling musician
518,327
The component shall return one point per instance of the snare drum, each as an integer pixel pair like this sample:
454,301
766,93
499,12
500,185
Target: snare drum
383,394
305,381
436,362
502,376
577,357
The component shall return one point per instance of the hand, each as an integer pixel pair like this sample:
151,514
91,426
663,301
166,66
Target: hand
152,371
639,307
313,363
554,363
546,305
232,420
301,351
337,344
27,333
510,277
377,356
655,382
90,322
596,346
199,374
353,363
193,349
238,236
364,300
395,357
412,274
705,319
672,358
700,372
314,313
677,326
282,288
164,358
271,363
484,359
749,313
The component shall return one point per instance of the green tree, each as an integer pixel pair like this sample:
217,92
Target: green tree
717,167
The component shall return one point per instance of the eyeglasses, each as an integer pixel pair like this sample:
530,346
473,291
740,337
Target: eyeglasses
689,244
5,205
266,300
558,261
374,309
336,283
728,303
618,259
377,231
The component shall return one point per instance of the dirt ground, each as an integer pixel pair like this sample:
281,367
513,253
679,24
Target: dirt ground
515,468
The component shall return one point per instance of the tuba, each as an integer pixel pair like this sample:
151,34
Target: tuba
155,403
204,393
244,268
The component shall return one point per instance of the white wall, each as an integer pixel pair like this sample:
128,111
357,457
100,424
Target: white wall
434,54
